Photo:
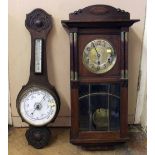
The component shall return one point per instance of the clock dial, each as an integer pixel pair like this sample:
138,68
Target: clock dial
99,56
37,106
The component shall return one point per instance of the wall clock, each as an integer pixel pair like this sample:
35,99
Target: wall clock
99,75
38,102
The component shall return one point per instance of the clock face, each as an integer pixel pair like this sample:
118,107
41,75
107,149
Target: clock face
99,56
37,106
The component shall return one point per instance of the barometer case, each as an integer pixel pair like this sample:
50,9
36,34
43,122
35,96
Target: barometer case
38,102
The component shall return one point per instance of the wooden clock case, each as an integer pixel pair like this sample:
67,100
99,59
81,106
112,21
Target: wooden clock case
84,25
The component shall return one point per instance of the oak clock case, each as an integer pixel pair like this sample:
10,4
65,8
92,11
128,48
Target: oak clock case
38,102
98,75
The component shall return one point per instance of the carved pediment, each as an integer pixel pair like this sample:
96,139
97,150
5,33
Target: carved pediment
99,12
38,20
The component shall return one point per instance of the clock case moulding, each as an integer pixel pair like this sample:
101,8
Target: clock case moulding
84,25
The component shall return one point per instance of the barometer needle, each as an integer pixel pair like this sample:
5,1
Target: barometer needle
37,107
42,99
33,111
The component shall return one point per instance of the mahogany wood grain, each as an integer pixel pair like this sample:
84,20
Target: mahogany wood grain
98,135
124,110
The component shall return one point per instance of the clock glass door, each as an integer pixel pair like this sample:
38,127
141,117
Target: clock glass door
99,107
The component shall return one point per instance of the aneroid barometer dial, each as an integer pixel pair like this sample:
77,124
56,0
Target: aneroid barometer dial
99,56
37,106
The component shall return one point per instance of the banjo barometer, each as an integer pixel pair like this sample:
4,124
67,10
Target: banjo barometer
38,102
99,75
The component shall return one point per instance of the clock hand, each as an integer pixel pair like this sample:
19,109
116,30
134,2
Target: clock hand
98,55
